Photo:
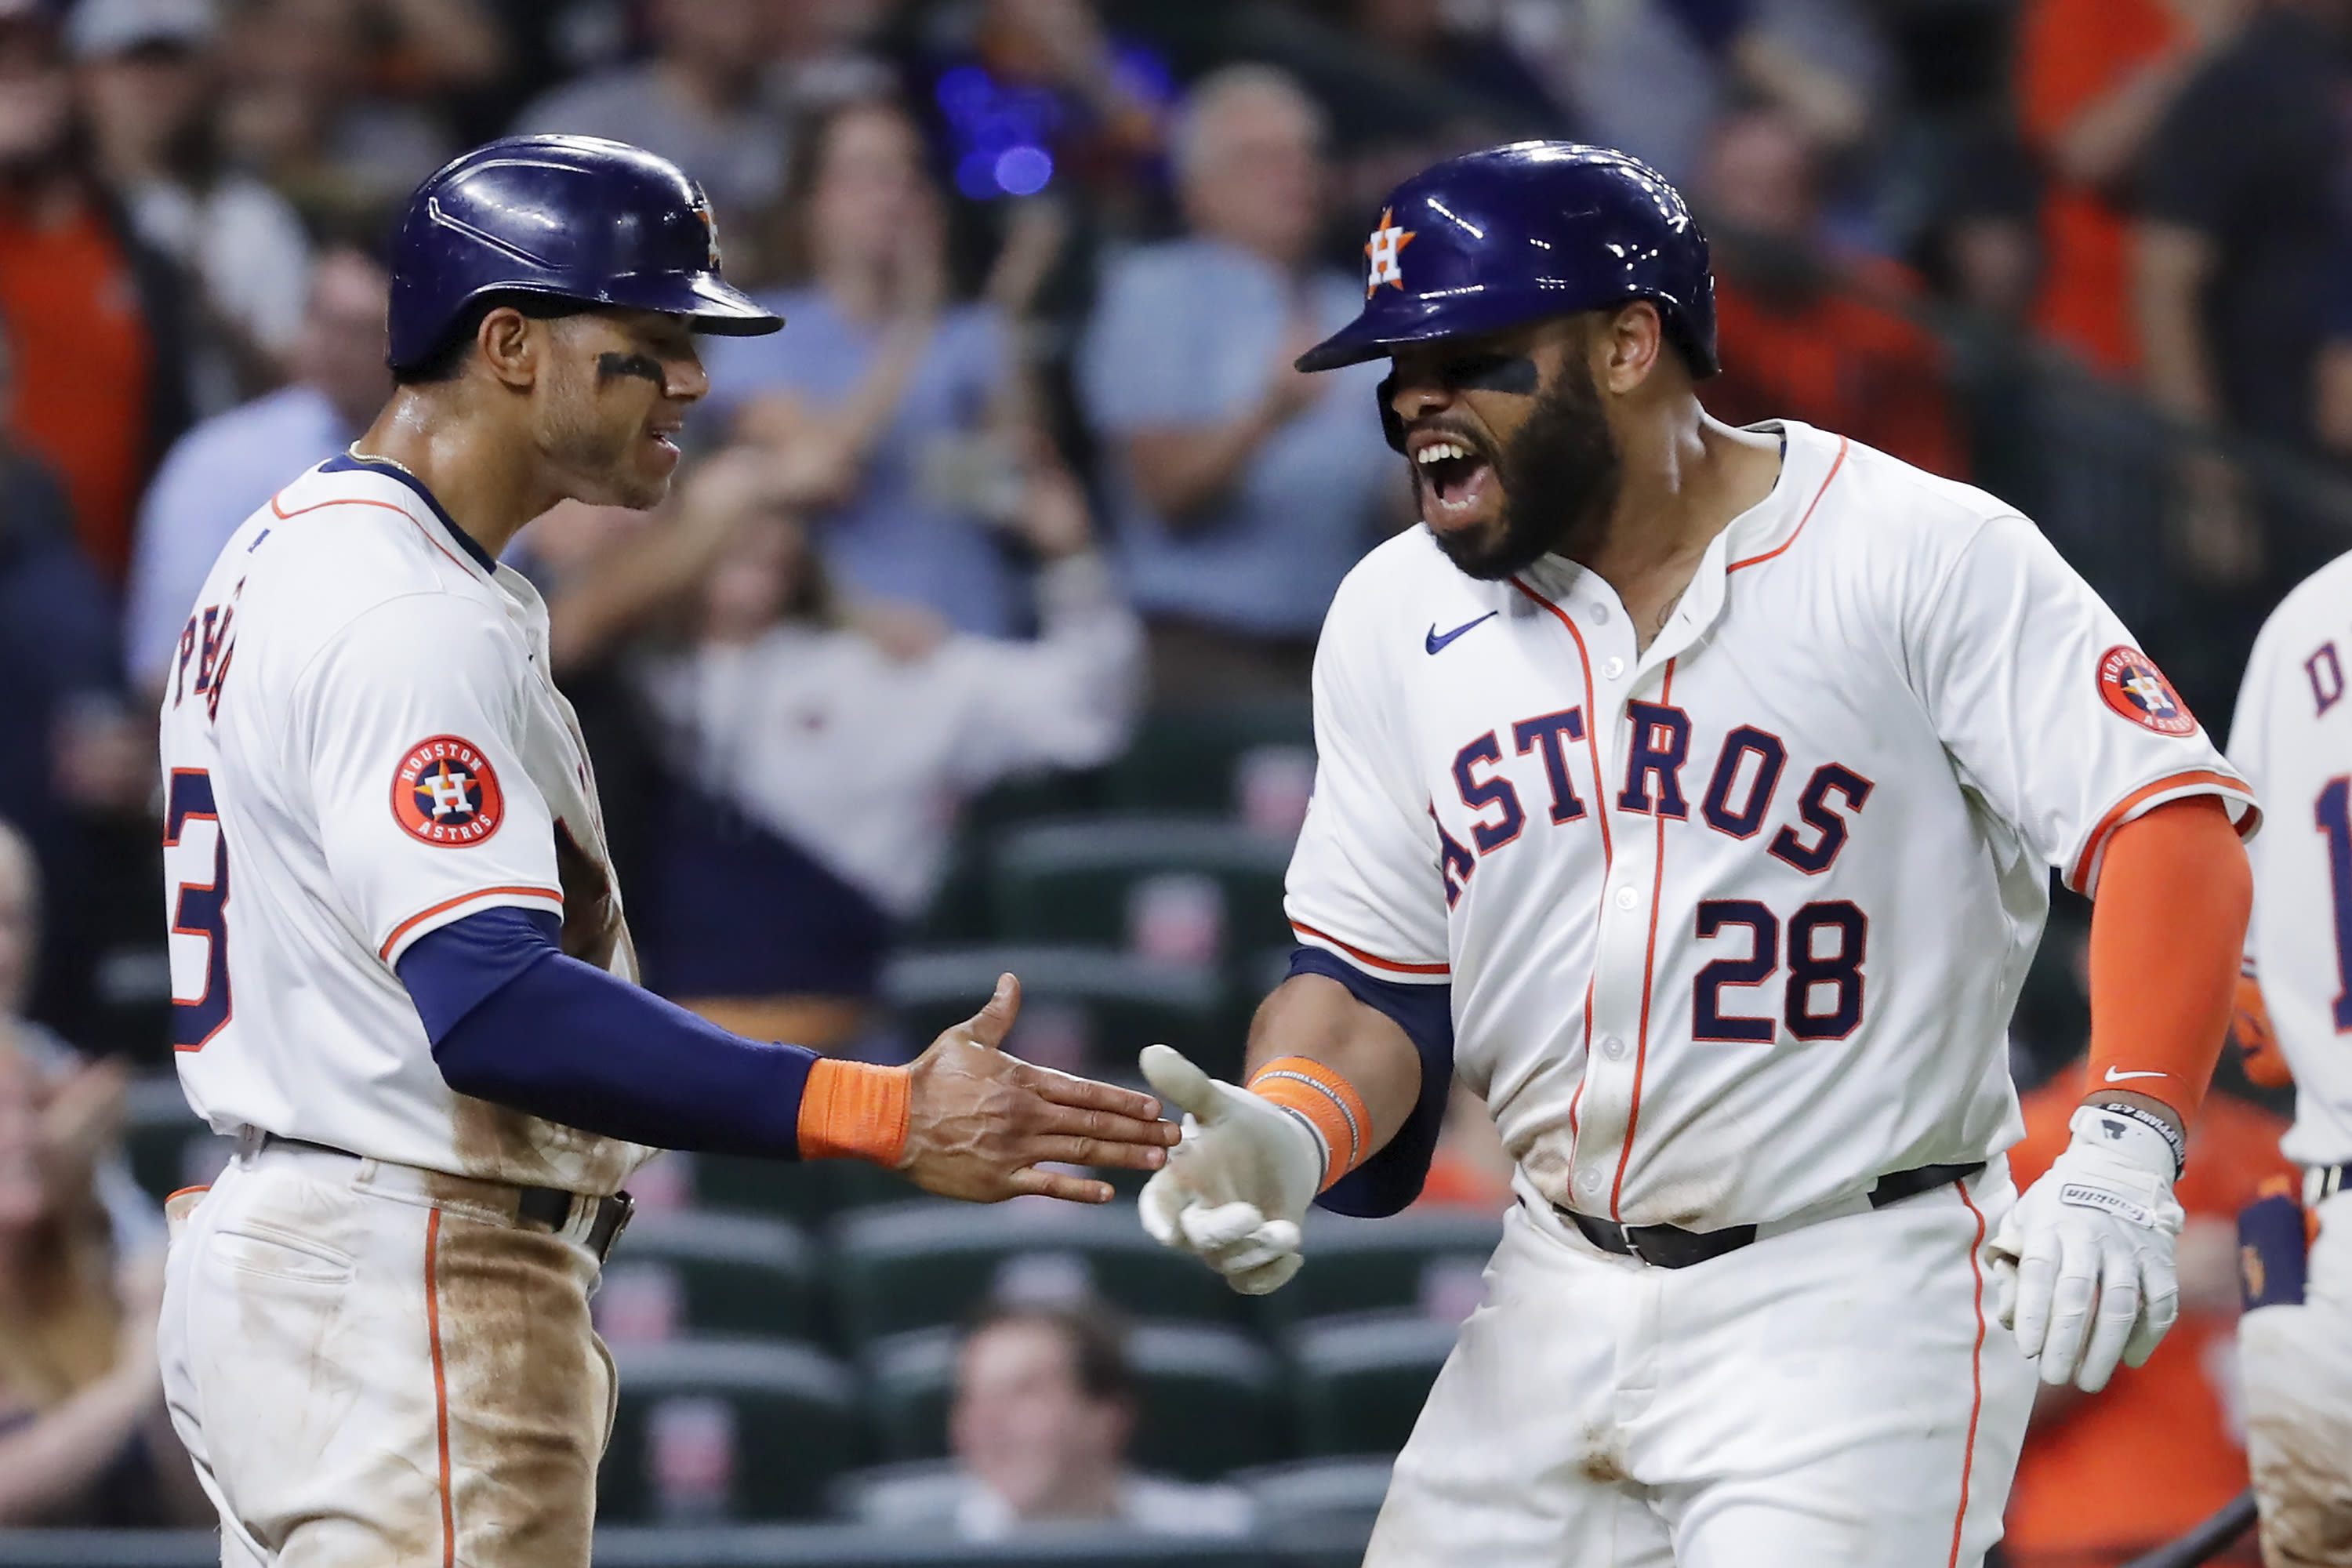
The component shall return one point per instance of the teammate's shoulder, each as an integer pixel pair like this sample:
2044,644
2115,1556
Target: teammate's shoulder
2312,603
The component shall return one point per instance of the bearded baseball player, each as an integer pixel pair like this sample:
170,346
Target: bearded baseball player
1691,793
2291,738
402,976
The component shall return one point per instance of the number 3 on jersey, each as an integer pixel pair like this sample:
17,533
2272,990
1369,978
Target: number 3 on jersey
199,998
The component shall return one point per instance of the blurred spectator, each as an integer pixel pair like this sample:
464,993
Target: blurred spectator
93,317
1471,1169
149,88
1044,1406
1033,92
2095,78
1421,33
912,392
1806,333
67,745
697,102
1244,490
819,751
1652,77
2240,212
83,1436
339,103
2108,1476
225,469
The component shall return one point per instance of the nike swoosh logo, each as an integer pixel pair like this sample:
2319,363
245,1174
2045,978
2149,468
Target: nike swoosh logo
2115,1077
1435,644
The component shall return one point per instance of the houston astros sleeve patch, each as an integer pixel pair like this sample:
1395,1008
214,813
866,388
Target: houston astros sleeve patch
447,793
2131,685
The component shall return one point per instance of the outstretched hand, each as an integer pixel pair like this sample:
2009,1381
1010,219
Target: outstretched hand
980,1122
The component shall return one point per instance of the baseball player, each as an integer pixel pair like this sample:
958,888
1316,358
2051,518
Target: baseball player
2292,739
1689,791
401,973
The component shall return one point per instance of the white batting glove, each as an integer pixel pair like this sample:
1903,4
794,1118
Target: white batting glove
1234,1190
2084,1262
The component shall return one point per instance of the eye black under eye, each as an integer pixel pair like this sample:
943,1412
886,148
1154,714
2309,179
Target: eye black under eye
1491,372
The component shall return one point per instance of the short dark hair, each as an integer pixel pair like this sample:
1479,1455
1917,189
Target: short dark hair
1094,1331
449,355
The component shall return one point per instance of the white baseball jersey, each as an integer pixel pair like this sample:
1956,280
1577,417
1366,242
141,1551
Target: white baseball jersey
1735,924
2291,738
360,744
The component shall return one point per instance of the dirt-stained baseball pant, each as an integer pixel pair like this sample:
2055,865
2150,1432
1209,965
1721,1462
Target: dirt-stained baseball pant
369,1366
1839,1396
2297,1364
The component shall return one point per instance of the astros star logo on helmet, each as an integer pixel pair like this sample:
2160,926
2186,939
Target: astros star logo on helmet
1382,250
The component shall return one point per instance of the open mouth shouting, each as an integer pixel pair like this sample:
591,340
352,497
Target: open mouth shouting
1452,478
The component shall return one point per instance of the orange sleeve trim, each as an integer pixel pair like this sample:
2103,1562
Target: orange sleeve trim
1373,959
1330,1104
2087,865
183,1192
404,927
855,1111
2166,934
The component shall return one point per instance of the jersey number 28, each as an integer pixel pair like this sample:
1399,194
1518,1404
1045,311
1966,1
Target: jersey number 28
1826,942
198,909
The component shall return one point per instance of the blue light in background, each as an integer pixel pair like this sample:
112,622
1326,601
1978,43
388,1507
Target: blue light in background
1021,170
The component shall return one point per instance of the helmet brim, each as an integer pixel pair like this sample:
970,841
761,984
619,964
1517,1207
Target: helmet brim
712,303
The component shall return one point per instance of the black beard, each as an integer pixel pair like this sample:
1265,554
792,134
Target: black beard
1559,477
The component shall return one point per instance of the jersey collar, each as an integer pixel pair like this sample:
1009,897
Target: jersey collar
349,462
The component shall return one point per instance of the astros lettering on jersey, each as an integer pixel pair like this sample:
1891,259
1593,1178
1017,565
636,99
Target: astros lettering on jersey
1735,924
332,813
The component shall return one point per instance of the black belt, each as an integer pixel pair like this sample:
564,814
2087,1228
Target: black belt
540,1208
1672,1247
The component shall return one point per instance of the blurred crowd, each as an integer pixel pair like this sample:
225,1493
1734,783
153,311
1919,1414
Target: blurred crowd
1029,461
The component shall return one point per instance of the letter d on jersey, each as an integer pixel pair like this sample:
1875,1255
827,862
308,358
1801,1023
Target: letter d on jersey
447,793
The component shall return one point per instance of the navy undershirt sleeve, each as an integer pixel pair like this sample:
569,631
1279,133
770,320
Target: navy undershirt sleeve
515,1022
1392,1178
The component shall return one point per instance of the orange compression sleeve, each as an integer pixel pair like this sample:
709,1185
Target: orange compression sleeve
2167,932
855,1111
1328,1102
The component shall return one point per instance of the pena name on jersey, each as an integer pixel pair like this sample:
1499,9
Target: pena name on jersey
1733,925
360,744
2291,737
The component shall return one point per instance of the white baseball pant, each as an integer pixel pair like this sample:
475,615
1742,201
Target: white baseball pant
2297,1364
1837,1396
370,1367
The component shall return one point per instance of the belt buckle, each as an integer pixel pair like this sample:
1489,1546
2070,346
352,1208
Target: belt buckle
1632,1245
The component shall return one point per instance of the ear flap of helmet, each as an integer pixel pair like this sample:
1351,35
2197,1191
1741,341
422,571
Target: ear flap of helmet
1390,426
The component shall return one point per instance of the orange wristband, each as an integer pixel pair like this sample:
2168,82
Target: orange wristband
855,1111
1329,1104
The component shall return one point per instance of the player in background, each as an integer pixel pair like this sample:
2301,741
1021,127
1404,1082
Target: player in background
2292,739
403,977
1692,792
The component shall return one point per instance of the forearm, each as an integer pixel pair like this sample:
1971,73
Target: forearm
517,1022
1314,1016
43,1464
2171,266
2167,932
1182,474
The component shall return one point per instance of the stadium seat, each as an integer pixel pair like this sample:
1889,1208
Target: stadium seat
710,1273
168,1148
1361,1379
1208,1396
1349,1487
927,1264
1429,1261
1184,889
1205,761
807,1193
711,1430
1082,1009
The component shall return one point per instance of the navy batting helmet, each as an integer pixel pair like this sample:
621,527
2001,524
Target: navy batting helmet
1513,234
574,218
